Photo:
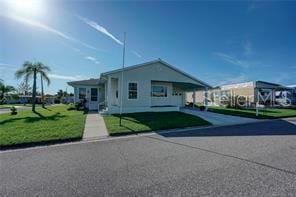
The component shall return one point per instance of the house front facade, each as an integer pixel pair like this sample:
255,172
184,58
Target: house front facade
151,86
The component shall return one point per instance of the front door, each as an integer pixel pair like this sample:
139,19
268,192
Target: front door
93,104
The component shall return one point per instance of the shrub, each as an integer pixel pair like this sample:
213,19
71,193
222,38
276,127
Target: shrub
202,108
71,106
13,110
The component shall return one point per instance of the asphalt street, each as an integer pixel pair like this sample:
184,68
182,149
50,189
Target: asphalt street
255,159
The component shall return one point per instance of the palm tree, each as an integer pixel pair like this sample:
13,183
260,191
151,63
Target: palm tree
43,76
30,70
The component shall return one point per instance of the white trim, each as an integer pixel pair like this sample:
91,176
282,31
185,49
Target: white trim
137,90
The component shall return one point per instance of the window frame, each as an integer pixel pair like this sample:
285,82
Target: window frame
166,93
97,95
128,90
79,93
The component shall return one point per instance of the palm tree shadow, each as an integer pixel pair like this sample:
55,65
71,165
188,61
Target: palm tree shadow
40,117
37,113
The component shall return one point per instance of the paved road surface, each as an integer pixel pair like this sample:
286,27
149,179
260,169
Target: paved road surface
257,159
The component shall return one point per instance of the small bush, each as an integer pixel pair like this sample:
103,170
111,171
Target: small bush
13,110
71,106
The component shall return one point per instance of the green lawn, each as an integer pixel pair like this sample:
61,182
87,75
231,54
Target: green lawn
150,121
52,123
267,113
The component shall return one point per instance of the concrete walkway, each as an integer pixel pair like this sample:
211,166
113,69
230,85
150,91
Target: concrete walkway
218,119
94,126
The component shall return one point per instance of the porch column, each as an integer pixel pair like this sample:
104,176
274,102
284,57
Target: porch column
193,98
272,97
206,98
109,91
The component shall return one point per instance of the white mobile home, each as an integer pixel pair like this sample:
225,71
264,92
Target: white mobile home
151,86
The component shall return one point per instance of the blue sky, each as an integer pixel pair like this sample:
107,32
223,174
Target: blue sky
218,42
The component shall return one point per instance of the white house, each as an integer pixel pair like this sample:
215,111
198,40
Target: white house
151,86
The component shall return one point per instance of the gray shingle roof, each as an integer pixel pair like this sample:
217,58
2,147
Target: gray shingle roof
85,82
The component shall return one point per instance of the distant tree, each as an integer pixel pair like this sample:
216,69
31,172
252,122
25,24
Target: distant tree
4,89
24,88
60,94
31,70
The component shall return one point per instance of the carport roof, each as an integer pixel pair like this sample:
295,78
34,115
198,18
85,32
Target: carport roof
90,82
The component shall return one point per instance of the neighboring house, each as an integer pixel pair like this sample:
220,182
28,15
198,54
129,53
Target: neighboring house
26,99
151,86
287,96
67,99
248,93
22,99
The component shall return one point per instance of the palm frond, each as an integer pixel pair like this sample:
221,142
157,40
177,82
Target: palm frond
26,69
45,77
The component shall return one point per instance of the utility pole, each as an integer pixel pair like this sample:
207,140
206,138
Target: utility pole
121,89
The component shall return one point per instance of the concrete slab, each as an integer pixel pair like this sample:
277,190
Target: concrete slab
218,119
94,126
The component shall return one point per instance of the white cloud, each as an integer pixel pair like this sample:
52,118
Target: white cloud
218,78
233,60
136,54
247,48
7,66
93,59
48,29
65,77
234,79
100,28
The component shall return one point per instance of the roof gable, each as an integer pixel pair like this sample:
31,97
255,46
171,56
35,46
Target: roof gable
153,62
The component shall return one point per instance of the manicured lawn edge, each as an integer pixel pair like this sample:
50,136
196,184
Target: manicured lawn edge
246,114
40,143
155,131
135,123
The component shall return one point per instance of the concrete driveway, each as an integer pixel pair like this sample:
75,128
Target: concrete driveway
218,119
256,159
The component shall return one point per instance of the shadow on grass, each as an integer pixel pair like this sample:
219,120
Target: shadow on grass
29,119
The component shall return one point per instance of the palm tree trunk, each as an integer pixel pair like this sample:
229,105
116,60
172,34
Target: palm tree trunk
42,92
34,91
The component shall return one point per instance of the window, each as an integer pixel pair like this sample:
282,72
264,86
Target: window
159,91
82,93
132,90
94,94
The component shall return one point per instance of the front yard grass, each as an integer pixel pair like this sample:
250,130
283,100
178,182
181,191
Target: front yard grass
266,113
150,121
51,124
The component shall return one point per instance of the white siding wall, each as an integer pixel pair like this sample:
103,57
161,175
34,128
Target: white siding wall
143,76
